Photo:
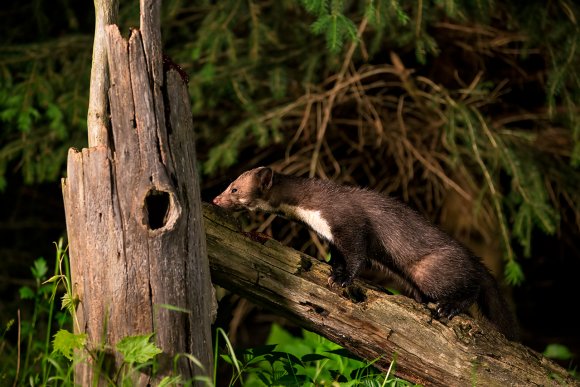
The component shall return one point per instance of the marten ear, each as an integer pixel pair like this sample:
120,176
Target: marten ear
265,176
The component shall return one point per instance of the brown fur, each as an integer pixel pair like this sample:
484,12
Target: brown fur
365,229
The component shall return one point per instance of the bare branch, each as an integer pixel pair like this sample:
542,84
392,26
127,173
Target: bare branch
106,12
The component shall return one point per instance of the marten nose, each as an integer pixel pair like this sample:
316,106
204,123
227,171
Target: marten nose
216,201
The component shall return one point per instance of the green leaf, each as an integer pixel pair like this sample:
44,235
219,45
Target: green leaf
227,358
279,335
26,118
39,268
287,356
54,278
170,381
261,134
264,379
66,342
293,380
26,293
196,53
263,349
126,382
344,353
138,349
69,302
8,114
558,352
8,326
313,357
207,73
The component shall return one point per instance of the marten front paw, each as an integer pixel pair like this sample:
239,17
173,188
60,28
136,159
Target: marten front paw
342,281
447,310
333,279
338,277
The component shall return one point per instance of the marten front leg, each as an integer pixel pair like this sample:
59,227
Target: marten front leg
338,265
354,265
352,255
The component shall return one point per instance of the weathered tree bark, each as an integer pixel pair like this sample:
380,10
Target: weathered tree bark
133,210
368,322
98,124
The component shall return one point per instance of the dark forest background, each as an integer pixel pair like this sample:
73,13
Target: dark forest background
468,111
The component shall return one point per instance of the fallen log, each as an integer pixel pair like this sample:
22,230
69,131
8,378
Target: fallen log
367,321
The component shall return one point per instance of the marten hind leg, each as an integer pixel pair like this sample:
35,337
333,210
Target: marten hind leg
444,280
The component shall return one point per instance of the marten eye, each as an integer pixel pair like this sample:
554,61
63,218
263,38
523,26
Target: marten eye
234,190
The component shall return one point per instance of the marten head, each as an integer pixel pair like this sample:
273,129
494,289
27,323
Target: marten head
248,191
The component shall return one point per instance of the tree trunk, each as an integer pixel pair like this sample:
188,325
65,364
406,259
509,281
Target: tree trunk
367,321
133,210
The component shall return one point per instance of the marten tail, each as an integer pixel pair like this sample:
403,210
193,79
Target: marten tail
495,308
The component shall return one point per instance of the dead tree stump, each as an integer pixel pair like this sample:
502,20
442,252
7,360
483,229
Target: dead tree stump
134,219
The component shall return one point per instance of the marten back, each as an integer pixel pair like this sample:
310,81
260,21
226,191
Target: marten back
364,227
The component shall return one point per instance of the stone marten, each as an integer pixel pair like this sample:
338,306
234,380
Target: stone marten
365,228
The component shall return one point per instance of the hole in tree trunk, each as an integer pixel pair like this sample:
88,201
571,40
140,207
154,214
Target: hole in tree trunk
157,207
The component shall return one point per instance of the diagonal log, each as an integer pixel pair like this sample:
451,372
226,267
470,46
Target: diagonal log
367,321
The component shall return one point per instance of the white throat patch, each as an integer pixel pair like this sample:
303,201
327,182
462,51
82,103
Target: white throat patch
312,218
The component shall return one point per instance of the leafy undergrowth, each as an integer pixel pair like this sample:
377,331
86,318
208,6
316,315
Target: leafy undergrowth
46,351
42,349
310,360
